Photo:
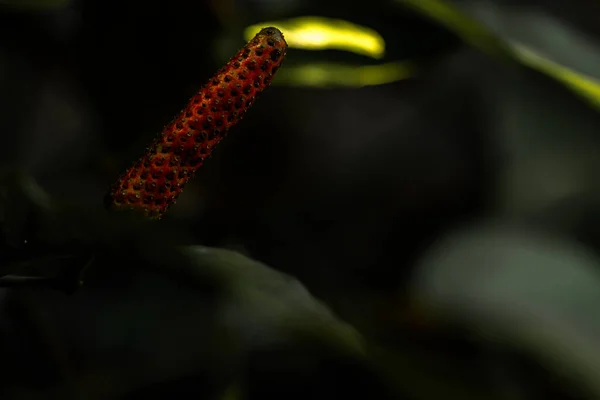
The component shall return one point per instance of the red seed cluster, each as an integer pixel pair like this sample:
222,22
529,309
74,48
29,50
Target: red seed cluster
155,181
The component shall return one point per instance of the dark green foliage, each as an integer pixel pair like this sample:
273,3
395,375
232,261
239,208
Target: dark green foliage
433,238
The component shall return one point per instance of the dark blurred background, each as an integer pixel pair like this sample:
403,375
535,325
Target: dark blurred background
425,196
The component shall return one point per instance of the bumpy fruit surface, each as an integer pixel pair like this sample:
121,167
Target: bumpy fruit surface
153,183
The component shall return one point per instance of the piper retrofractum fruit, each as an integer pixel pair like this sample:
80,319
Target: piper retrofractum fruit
154,182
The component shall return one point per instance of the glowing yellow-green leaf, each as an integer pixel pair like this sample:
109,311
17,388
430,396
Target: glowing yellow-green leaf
479,36
332,75
584,85
318,33
468,29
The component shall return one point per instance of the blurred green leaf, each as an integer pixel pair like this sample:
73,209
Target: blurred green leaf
343,75
208,308
264,305
467,28
318,33
533,39
529,291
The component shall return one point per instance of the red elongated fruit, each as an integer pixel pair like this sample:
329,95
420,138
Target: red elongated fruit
154,182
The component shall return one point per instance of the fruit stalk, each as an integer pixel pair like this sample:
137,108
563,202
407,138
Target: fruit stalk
155,181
